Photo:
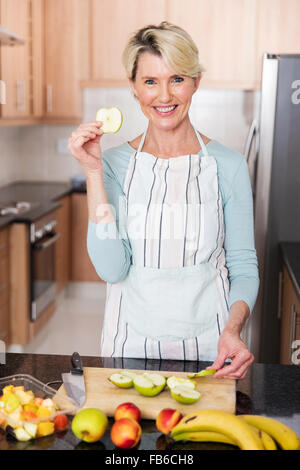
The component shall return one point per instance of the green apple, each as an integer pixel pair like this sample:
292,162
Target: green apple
129,373
111,118
121,380
89,424
184,394
174,381
149,384
202,373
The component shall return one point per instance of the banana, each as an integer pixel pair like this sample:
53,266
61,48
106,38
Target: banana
204,436
222,422
282,434
267,441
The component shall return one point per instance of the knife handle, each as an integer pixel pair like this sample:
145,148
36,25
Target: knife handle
77,364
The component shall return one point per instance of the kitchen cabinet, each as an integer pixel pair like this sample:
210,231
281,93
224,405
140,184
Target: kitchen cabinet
112,22
82,268
63,244
4,285
15,60
66,58
290,317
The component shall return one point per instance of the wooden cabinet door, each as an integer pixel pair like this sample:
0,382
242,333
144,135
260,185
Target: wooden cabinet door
63,245
113,21
224,33
65,56
290,319
277,28
15,64
82,268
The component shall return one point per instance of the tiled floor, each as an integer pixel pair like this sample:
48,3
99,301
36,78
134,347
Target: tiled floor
76,324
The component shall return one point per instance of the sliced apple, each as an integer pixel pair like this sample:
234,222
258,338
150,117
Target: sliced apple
174,381
149,384
202,373
21,434
121,380
111,118
31,429
184,394
129,373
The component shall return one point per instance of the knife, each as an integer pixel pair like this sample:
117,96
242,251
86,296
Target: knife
74,380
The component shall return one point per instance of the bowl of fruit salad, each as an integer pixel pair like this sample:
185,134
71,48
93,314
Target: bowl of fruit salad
30,409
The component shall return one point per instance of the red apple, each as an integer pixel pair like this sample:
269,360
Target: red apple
60,423
167,419
126,433
127,410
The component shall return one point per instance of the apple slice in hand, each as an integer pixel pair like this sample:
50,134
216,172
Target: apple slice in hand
202,373
111,118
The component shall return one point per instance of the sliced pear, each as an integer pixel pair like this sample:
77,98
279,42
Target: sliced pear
121,380
149,384
174,381
184,394
111,118
202,373
30,428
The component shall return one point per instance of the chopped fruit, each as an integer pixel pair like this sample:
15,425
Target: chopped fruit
21,434
174,381
185,395
121,380
24,397
43,412
111,118
48,403
38,401
61,423
45,429
31,429
28,415
149,384
30,407
12,403
8,389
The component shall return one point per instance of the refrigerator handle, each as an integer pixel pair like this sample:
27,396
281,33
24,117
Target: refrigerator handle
253,132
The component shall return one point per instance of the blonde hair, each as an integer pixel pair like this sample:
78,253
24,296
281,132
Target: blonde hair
170,42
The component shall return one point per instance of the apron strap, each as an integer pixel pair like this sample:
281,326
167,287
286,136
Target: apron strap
202,145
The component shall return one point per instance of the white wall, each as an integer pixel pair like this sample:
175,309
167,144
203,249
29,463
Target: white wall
30,152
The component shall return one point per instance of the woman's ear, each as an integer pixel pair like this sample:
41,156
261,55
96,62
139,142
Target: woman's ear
197,80
132,86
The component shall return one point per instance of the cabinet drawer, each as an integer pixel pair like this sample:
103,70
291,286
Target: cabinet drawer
3,243
4,322
4,281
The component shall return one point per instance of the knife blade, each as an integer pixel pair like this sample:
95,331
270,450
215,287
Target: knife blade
74,380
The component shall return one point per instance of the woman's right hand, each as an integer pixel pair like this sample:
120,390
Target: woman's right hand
84,145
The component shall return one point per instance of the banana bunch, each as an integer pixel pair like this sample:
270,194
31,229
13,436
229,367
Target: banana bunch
248,432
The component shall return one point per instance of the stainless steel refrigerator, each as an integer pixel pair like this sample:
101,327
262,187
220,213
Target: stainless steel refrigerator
275,168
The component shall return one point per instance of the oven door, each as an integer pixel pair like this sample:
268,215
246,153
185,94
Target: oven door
43,283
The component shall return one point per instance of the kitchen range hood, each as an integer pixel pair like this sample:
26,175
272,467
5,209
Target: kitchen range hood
8,38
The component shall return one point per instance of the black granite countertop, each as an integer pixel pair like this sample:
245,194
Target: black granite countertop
43,192
291,256
268,389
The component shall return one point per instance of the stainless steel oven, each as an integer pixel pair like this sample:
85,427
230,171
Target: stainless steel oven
43,238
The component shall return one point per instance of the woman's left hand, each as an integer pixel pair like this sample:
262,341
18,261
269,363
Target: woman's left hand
231,346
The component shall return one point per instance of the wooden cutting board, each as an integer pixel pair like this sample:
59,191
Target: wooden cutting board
218,394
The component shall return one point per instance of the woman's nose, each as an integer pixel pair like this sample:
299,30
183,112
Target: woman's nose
165,94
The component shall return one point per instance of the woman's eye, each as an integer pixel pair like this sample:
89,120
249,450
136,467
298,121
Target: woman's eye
149,82
178,79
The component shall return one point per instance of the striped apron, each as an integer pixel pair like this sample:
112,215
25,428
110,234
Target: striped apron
173,303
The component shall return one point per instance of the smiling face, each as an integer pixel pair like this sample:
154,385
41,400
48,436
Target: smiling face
164,96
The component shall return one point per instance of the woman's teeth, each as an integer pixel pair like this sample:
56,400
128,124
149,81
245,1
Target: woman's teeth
165,110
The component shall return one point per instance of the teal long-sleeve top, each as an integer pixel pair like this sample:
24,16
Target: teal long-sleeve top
111,255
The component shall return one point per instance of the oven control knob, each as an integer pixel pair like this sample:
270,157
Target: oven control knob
48,227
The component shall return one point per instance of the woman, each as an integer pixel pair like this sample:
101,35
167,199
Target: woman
170,220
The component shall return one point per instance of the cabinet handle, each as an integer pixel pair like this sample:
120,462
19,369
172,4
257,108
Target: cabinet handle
294,323
21,95
280,283
49,99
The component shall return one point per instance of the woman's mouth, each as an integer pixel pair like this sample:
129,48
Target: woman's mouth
165,110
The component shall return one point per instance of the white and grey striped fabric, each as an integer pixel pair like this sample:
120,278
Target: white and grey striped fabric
174,219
